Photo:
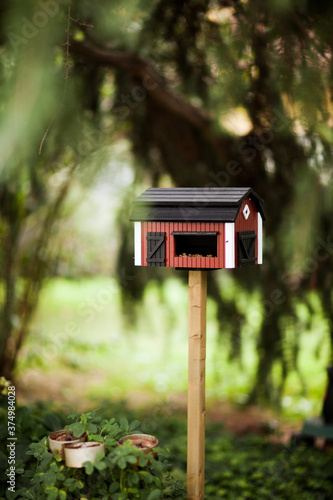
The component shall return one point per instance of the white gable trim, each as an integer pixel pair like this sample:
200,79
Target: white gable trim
137,244
229,246
259,236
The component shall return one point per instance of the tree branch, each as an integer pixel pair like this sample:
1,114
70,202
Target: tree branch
159,94
141,69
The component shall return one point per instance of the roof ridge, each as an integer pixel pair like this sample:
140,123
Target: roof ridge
197,199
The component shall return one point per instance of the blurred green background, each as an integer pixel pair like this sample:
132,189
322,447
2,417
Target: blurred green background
81,349
100,102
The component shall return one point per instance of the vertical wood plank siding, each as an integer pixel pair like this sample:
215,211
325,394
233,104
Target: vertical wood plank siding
241,224
251,224
171,260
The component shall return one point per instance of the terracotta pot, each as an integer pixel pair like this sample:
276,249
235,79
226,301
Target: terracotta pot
143,442
77,454
58,440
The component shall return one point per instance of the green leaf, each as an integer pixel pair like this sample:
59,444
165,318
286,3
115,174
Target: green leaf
100,455
78,429
154,495
96,437
51,492
133,490
38,449
146,476
54,467
79,485
57,457
92,428
143,460
49,478
122,463
100,465
134,425
124,423
19,494
73,416
88,467
114,487
62,495
69,481
84,417
29,495
133,477
110,441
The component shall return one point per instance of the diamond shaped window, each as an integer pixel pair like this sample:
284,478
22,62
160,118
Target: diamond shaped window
246,212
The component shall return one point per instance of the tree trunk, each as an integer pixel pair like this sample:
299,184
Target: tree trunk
8,311
269,348
14,332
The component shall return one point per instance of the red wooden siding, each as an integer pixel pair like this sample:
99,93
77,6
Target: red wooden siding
251,224
171,260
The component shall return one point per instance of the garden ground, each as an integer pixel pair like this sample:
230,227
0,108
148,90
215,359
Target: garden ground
67,391
82,350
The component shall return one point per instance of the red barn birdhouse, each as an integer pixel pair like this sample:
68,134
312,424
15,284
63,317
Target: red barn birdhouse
198,228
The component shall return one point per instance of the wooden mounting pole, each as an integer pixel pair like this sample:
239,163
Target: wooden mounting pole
196,385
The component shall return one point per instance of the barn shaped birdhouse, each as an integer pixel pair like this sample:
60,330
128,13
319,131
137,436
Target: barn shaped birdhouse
198,228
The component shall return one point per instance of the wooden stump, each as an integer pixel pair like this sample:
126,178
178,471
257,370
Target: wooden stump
196,385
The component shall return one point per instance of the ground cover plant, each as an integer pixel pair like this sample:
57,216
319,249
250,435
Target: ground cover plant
118,473
237,467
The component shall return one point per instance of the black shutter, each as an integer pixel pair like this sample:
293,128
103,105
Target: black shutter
156,249
246,246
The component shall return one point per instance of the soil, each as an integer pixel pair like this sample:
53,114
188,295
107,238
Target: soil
194,255
139,442
62,436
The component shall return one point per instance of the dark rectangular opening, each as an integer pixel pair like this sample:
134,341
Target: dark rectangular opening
246,248
195,244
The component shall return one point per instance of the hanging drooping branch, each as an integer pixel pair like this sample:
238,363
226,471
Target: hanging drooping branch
162,98
152,81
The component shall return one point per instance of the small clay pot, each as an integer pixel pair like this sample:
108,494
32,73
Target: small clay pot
58,440
78,453
143,442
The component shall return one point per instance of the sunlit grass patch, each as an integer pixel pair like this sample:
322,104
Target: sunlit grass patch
80,328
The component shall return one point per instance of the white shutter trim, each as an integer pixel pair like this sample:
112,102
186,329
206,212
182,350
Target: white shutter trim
259,235
229,245
137,244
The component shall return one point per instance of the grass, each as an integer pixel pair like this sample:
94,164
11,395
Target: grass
79,328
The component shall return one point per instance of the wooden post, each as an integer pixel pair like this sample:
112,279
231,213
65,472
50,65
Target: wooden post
196,385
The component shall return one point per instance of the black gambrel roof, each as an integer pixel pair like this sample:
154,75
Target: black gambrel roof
193,204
